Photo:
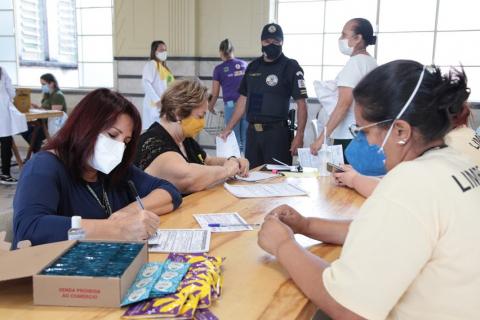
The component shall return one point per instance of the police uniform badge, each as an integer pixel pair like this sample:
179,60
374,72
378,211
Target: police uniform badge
272,29
272,80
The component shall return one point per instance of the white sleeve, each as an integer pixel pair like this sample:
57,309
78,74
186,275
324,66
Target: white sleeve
350,75
8,85
148,76
385,250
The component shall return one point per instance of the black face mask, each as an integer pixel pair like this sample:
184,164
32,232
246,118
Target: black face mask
272,51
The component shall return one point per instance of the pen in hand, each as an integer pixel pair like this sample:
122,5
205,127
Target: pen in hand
134,192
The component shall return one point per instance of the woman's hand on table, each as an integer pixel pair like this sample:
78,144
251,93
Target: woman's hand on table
273,234
345,178
233,166
290,217
244,167
139,225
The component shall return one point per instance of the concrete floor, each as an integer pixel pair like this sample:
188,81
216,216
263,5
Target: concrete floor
7,192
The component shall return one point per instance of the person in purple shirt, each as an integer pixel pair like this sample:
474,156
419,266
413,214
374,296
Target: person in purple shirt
228,75
84,171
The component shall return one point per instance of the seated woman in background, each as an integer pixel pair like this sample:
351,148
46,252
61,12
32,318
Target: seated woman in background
461,138
168,149
53,99
412,251
84,171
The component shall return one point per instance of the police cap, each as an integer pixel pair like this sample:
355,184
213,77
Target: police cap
272,31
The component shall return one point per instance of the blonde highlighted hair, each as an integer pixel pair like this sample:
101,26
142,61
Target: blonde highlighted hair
182,97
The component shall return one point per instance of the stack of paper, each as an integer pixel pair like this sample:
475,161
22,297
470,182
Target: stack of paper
308,160
281,167
180,240
229,147
256,176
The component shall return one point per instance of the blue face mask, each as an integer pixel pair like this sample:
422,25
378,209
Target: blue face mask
45,88
369,159
364,157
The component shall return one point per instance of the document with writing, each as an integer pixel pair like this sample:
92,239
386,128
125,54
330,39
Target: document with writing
228,222
256,176
308,160
180,240
280,167
283,189
228,148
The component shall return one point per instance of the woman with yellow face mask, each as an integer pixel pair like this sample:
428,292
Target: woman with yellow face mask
168,148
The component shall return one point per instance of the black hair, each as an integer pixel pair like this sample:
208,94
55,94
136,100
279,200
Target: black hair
383,92
49,78
364,28
0,72
226,48
153,50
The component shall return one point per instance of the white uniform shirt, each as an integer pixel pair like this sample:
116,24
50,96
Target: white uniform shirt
154,86
356,68
464,140
412,252
12,121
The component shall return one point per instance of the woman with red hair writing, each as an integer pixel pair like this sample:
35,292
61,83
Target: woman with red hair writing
84,171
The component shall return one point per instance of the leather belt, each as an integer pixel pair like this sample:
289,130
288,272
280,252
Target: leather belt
259,127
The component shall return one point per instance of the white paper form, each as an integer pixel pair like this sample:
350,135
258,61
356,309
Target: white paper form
180,240
337,154
281,167
229,222
256,176
228,148
308,160
283,189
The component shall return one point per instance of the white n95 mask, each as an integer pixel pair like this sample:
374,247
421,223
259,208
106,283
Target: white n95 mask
162,56
108,154
344,48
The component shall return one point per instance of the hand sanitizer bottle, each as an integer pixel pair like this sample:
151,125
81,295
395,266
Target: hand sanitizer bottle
76,232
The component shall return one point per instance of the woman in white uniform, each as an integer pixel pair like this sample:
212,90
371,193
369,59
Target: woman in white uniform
357,35
11,122
412,251
156,76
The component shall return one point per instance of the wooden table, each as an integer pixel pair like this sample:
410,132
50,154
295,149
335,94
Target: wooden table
255,286
37,117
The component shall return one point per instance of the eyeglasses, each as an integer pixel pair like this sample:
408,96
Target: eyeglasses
355,129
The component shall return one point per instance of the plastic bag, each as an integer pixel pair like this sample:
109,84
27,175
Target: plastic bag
55,124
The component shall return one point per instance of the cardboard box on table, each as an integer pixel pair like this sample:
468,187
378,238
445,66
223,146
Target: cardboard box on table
22,99
67,290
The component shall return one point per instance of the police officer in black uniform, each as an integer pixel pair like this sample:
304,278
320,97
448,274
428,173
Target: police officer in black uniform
265,92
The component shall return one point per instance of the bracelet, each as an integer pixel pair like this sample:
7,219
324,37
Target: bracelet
235,158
